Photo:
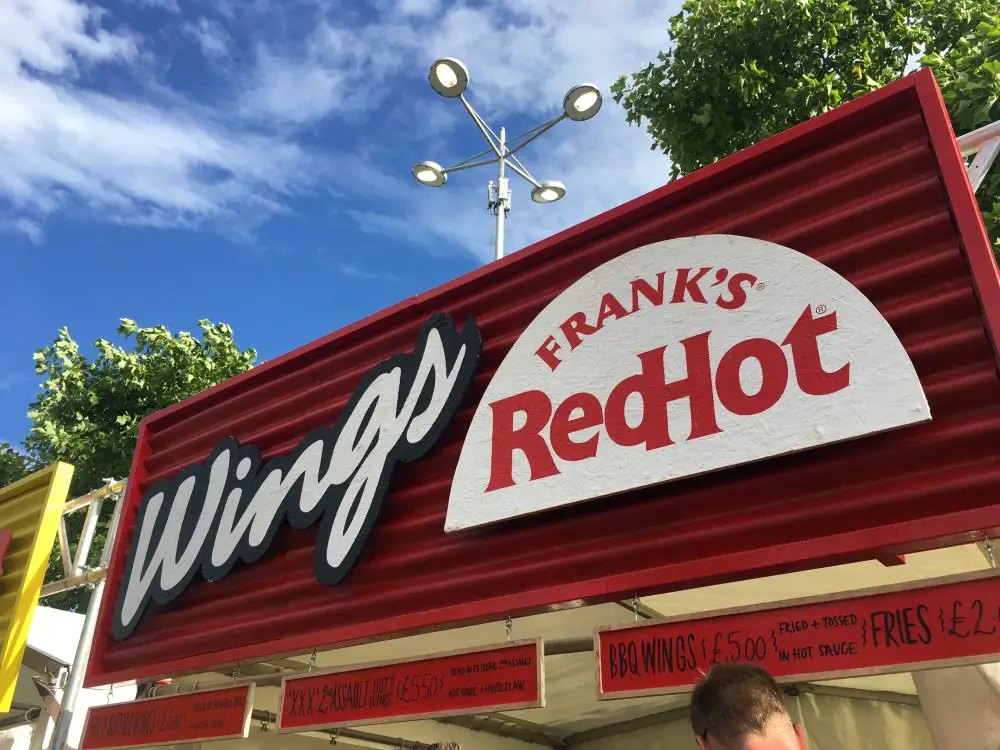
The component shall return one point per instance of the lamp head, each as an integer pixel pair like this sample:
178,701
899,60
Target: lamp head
449,77
430,173
548,192
582,102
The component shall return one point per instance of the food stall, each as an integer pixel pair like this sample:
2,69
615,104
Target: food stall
782,363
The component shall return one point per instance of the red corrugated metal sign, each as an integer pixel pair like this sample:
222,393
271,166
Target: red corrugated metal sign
308,499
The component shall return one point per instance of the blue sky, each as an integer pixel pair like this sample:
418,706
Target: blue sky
249,160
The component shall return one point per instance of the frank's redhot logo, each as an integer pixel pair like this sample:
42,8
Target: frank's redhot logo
676,359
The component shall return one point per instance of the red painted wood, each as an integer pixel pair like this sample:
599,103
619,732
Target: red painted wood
892,561
6,536
496,679
948,623
962,201
861,189
191,717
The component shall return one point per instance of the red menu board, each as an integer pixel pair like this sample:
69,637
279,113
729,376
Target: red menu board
175,719
504,677
945,621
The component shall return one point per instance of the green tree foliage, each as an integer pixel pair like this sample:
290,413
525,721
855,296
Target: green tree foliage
13,464
88,411
739,71
969,75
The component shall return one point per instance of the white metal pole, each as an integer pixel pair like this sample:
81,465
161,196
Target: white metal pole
87,536
501,204
972,142
67,704
980,166
38,730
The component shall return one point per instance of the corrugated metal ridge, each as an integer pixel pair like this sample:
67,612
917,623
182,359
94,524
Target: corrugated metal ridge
505,272
333,408
200,444
402,339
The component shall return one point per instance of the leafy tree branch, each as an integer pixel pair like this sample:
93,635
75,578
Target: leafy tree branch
738,71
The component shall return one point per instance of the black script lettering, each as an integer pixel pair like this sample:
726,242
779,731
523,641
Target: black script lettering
840,621
344,696
229,508
957,619
303,700
627,655
169,721
520,662
845,648
977,608
886,623
716,649
503,687
908,623
670,655
127,724
924,636
793,627
381,696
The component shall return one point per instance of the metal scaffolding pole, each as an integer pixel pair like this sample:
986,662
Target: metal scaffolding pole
75,682
268,718
984,145
555,647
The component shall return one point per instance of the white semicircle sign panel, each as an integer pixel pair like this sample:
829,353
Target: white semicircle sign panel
676,359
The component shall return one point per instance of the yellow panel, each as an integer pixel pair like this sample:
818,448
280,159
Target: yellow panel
31,509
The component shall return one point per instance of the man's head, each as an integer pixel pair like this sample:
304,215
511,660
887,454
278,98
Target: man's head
739,707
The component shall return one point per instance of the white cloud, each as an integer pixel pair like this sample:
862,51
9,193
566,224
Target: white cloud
156,158
337,69
171,6
293,91
63,146
213,40
523,55
417,7
31,230
51,35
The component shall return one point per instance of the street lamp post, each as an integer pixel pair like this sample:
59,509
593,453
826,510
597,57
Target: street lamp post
450,78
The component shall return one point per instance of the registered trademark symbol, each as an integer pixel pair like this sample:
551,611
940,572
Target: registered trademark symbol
820,309
760,287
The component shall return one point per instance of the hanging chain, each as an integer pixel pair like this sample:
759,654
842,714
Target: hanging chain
334,736
990,549
312,661
508,626
236,672
111,692
635,607
264,723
